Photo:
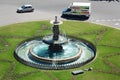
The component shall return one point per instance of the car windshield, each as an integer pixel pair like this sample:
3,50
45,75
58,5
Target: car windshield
68,10
26,6
23,7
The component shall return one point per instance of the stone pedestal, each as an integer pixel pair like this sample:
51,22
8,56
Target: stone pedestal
56,32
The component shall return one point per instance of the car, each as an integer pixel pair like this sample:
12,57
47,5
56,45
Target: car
25,8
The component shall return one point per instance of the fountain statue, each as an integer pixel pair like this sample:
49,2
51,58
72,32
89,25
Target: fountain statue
56,29
56,44
55,51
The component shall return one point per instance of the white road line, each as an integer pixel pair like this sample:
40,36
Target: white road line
103,20
118,19
107,20
97,20
114,20
117,24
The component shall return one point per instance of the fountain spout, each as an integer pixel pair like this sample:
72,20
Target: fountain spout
56,40
56,29
56,21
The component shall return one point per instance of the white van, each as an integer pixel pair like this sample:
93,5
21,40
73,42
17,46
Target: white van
78,9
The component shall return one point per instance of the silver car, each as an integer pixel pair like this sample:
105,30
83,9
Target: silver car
25,8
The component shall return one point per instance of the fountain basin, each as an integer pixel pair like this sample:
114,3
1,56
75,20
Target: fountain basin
27,53
49,40
57,57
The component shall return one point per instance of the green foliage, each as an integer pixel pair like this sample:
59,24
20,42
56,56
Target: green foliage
115,60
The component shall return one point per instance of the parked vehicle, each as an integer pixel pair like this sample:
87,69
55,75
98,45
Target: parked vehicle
25,8
78,9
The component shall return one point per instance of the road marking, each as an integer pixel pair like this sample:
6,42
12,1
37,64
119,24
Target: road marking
107,20
114,20
118,19
97,20
117,24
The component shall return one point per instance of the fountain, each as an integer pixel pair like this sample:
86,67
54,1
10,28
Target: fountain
54,41
55,51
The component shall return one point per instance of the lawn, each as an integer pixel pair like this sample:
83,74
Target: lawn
105,66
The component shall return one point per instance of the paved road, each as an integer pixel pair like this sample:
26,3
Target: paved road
106,13
103,12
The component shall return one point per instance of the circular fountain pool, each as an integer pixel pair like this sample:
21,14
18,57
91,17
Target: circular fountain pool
75,53
70,52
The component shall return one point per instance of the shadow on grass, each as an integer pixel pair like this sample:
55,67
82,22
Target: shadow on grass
74,17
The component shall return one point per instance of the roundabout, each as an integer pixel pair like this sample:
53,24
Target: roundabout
102,37
106,39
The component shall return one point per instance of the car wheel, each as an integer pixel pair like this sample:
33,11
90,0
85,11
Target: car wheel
32,10
21,11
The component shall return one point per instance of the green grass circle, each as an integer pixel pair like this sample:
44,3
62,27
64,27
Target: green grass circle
105,67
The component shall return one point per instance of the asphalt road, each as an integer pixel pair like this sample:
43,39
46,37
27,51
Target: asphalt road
103,12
